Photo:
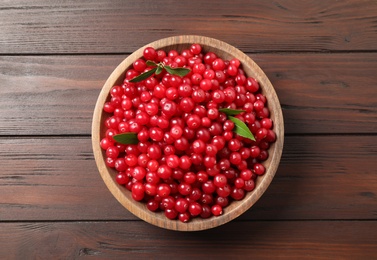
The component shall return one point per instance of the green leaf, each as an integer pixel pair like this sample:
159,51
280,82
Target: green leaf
158,70
241,128
144,75
231,112
151,63
177,71
126,138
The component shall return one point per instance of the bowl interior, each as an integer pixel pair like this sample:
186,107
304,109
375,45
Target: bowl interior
235,208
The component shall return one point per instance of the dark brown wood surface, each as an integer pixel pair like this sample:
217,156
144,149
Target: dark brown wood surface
237,240
59,92
320,177
253,26
321,57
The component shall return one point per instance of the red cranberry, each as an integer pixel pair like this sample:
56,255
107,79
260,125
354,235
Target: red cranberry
188,161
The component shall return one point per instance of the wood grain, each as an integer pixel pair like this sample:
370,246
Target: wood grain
320,177
253,26
56,94
235,240
319,93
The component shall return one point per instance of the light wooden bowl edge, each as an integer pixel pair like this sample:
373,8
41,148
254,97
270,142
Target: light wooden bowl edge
238,207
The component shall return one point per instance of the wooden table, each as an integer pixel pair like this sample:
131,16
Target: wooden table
321,57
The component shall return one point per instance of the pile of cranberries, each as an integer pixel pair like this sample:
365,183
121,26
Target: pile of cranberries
188,161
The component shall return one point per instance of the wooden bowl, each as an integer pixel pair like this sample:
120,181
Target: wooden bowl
235,208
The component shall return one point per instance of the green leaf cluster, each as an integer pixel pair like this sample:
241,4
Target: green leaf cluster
157,69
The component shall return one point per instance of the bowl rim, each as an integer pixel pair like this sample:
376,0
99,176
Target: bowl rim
236,208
